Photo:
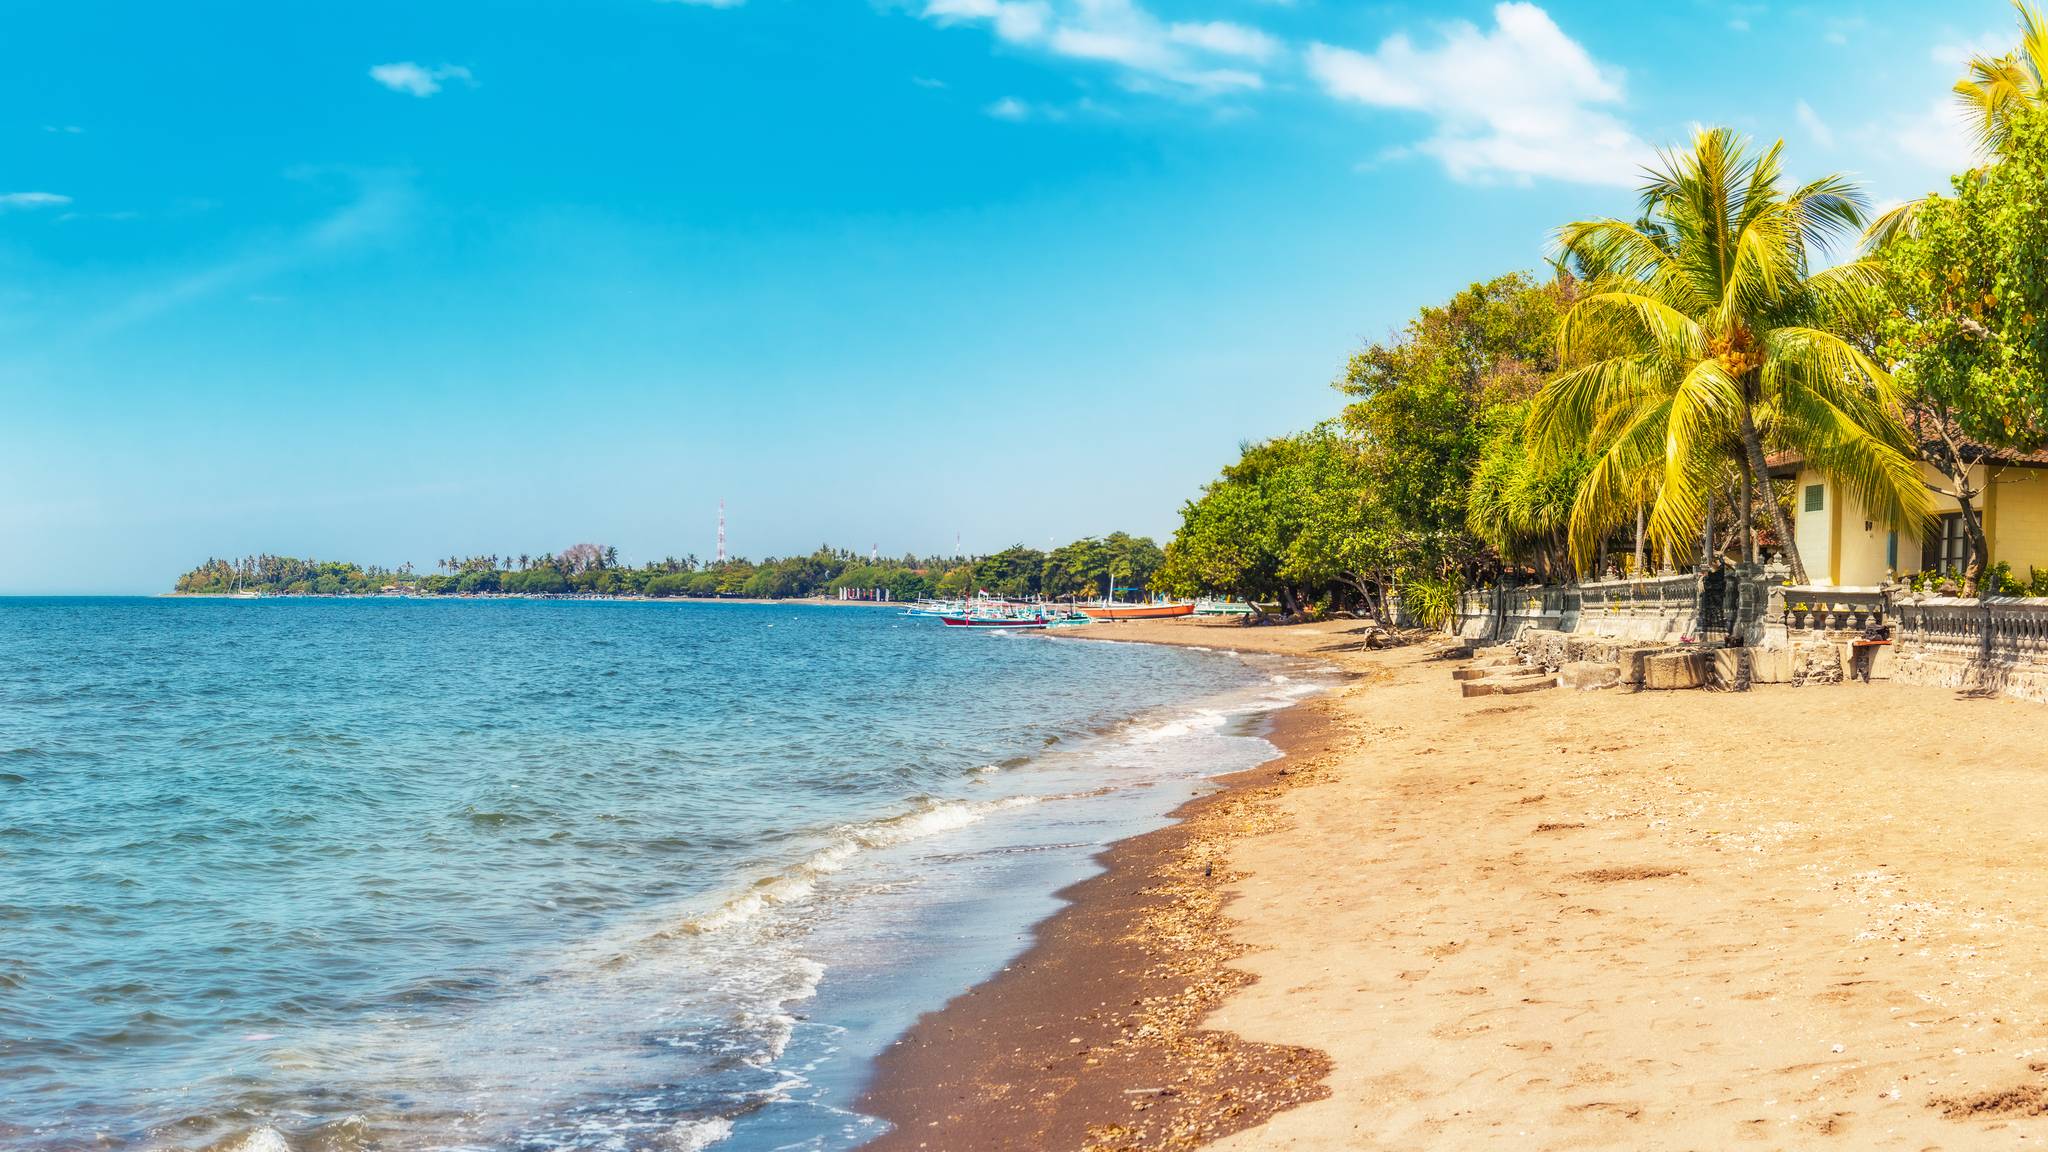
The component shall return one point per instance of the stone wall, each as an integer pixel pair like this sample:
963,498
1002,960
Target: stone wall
1662,608
1997,645
1790,635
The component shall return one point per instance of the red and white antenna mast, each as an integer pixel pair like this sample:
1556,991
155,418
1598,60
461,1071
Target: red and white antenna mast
721,531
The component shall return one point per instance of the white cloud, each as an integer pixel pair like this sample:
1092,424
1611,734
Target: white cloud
1937,138
1840,29
1009,108
1152,54
1815,127
1520,101
416,79
1957,54
9,201
1226,39
1017,21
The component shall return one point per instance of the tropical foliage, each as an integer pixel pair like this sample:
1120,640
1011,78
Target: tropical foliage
1967,294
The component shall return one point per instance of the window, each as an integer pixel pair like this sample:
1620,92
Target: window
1947,547
1814,496
1891,551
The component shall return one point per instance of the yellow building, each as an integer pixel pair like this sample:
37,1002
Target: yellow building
1844,546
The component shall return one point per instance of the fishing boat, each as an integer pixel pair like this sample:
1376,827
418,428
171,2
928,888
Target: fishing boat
939,608
1222,608
1037,621
1138,611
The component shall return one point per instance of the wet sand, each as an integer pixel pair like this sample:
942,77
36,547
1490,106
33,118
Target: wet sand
1094,1038
1787,918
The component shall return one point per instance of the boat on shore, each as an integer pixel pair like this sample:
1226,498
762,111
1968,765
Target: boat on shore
1159,611
1036,621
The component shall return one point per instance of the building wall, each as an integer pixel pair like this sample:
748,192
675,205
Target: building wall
2015,509
1814,531
2018,523
1867,545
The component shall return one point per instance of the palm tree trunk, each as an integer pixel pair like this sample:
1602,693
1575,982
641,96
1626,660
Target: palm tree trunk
1753,446
1640,558
1707,535
1745,514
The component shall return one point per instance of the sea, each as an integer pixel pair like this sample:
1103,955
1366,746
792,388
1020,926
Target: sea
325,875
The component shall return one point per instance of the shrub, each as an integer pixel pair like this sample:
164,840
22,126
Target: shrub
1431,603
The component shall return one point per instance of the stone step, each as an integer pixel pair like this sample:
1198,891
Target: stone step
1507,687
1666,671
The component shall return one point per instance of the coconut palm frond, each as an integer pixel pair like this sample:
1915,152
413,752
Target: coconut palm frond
1564,415
1828,210
1705,409
1996,88
1611,249
1846,297
1812,360
1614,486
1633,318
1895,224
1840,444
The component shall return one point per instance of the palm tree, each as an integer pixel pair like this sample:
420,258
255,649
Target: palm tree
1708,333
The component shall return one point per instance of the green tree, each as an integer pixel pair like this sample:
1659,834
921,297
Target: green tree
1421,401
1968,291
1520,504
1293,520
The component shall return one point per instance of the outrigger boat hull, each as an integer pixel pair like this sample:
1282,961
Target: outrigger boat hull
1137,611
971,622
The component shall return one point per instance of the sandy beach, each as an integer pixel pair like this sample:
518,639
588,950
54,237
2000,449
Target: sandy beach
1779,919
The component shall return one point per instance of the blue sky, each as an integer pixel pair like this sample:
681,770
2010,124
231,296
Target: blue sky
388,281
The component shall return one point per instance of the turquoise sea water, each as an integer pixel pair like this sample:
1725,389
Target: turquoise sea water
512,875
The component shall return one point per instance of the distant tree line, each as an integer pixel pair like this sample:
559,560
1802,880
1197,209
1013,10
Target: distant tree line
1087,567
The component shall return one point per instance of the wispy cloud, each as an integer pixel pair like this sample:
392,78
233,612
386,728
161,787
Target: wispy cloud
1226,39
1958,53
1009,108
19,201
1522,100
66,129
1936,137
418,79
1199,58
1816,128
380,204
1840,30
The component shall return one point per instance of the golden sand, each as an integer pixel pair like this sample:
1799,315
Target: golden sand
1787,918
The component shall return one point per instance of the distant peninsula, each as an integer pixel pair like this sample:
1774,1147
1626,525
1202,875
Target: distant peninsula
1086,567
